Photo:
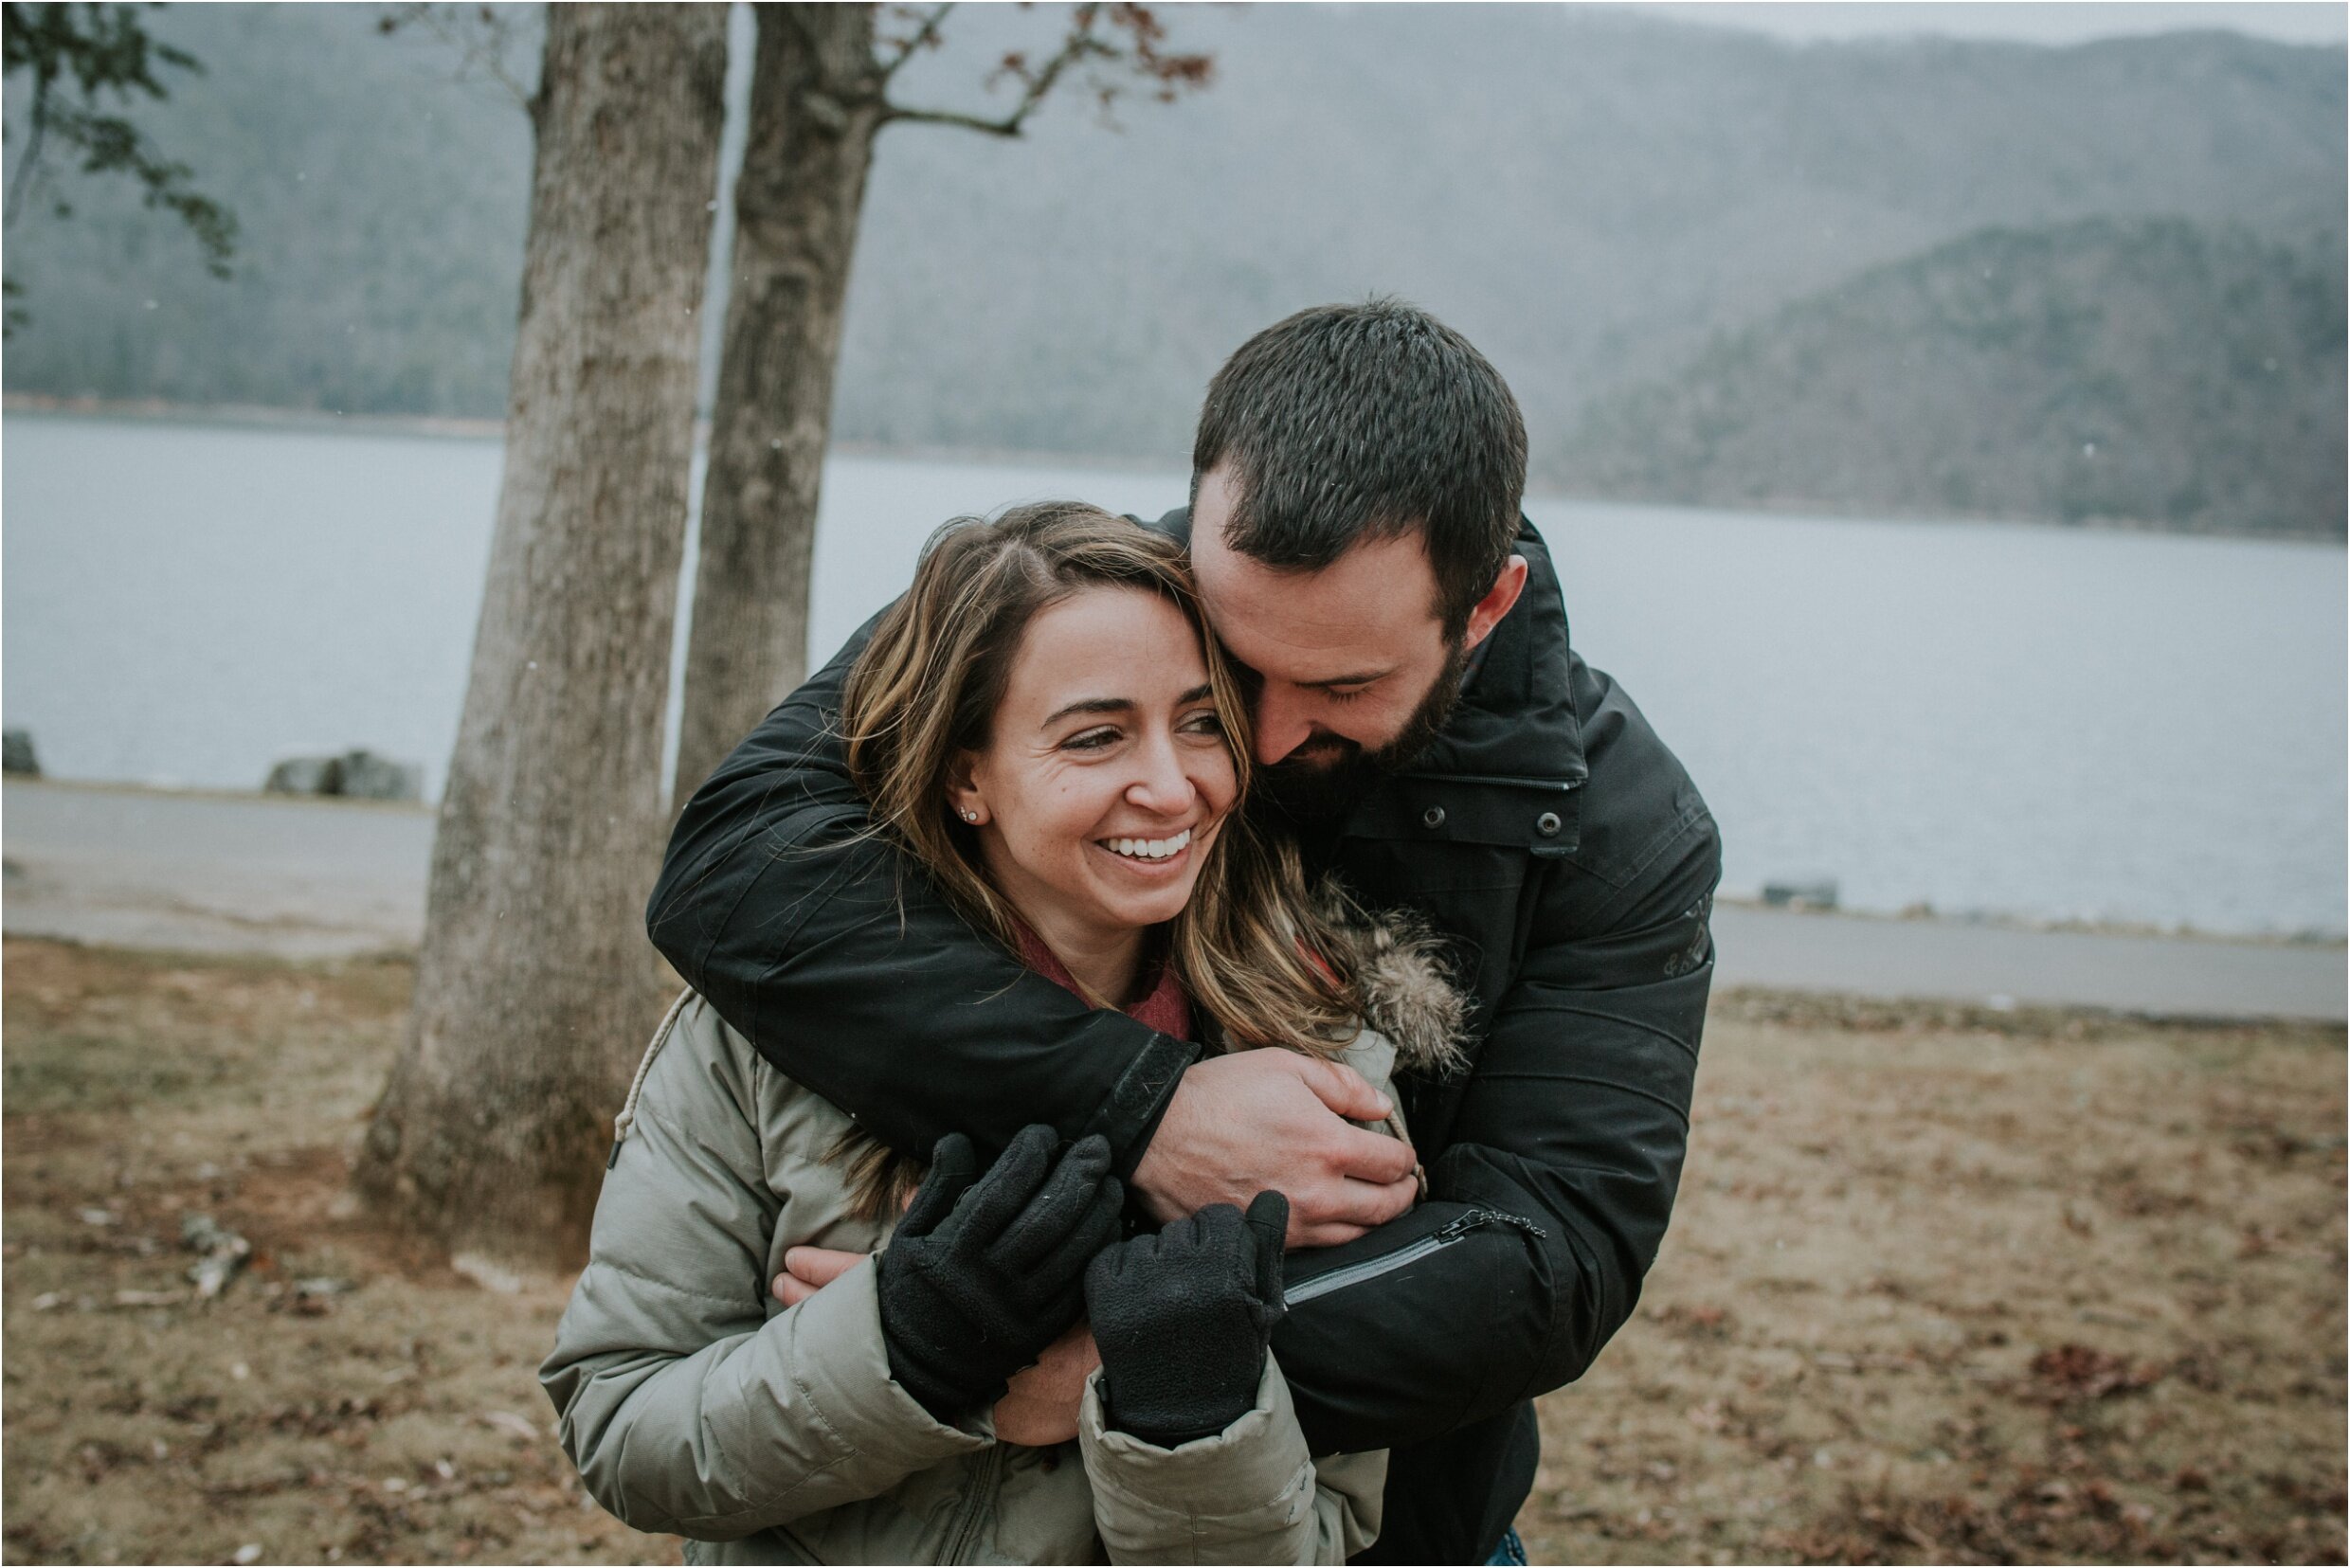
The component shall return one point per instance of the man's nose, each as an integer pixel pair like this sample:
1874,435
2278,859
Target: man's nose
1284,722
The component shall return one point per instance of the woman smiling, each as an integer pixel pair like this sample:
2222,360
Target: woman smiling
1042,723
1089,712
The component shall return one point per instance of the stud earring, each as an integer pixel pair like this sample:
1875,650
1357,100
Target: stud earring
970,815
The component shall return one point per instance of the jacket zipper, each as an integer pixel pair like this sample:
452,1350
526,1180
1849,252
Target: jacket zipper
1371,1268
982,1491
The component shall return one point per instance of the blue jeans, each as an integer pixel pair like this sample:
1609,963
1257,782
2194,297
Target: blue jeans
1512,1550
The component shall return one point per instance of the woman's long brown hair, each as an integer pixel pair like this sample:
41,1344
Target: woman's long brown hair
1249,946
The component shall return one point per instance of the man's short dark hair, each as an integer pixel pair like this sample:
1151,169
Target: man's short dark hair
1347,423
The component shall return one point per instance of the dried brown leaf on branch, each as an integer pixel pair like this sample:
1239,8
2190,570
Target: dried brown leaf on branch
1171,71
1113,49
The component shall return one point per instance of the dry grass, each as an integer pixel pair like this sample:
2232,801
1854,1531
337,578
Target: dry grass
398,1419
1957,1286
1943,1286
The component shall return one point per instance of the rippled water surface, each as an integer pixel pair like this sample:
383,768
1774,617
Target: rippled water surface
2018,720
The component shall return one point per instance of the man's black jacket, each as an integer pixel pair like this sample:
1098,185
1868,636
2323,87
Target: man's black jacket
1549,833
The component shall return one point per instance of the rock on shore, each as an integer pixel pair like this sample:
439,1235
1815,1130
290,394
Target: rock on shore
358,774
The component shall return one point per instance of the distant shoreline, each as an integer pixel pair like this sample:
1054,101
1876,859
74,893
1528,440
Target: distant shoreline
453,427
1740,898
248,415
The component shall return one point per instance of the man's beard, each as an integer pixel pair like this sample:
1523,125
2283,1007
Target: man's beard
1321,780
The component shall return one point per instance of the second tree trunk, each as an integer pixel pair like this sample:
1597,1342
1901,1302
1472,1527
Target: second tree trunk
816,105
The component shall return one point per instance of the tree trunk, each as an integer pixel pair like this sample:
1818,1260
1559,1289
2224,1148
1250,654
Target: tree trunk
533,991
816,103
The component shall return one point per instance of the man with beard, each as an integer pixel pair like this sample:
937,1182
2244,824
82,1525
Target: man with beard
1425,730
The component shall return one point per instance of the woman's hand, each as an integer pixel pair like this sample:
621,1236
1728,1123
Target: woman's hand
1040,1406
808,1269
1037,1411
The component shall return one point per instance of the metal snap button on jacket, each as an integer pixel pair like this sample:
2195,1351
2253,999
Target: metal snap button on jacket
1432,817
1547,824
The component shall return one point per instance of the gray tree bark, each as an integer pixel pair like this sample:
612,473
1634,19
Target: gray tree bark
534,989
817,103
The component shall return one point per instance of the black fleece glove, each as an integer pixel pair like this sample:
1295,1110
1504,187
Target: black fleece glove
981,1275
1181,1319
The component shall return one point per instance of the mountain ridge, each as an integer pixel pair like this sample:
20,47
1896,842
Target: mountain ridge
2153,372
1592,196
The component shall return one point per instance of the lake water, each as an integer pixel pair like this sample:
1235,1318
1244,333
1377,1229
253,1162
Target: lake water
2008,720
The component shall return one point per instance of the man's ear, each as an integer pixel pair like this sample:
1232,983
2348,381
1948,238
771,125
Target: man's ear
1497,600
965,797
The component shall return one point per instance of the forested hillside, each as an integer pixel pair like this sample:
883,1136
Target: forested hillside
1592,195
2152,372
381,205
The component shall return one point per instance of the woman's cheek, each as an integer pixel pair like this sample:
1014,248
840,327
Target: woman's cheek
1056,807
1221,782
1078,809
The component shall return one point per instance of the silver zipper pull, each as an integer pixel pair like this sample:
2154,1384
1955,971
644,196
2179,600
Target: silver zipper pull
1478,1218
1522,1223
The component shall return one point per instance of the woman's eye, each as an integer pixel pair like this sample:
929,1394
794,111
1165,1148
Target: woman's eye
1207,723
1091,740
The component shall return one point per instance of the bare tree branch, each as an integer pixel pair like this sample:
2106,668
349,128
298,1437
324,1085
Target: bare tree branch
1080,43
481,44
29,163
924,37
1009,126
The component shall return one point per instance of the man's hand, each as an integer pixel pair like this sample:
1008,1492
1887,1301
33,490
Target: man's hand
1040,1406
1273,1120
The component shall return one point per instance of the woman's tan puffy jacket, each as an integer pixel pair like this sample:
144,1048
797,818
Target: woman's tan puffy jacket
695,1403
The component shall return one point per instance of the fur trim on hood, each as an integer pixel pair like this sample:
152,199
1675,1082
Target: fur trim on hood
1408,986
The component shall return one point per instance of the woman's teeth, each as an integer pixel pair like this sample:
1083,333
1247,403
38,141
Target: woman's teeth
1148,849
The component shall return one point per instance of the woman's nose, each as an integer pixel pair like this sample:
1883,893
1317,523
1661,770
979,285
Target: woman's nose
1163,785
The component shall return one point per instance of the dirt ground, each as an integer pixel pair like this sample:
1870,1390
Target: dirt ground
1943,1285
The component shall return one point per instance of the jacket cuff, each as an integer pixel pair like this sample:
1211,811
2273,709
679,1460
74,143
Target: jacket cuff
1129,1116
1245,1494
843,1368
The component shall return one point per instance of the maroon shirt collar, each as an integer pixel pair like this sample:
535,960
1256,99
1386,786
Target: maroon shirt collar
1164,1007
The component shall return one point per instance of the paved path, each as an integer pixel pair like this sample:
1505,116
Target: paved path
273,873
314,878
2171,976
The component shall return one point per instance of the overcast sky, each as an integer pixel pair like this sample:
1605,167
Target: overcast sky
2024,21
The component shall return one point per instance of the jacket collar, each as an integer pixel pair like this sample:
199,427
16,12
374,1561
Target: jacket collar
1509,769
1516,720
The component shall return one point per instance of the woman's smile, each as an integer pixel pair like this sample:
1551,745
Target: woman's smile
1100,791
1158,853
